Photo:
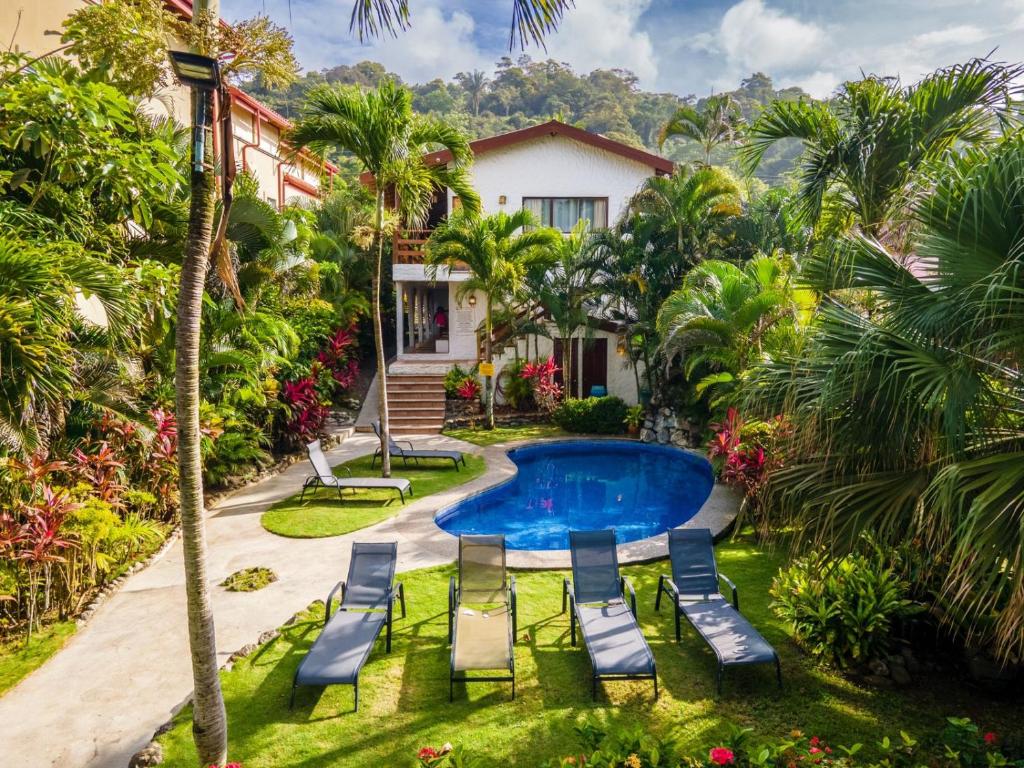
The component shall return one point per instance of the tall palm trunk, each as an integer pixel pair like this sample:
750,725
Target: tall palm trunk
378,341
209,721
488,380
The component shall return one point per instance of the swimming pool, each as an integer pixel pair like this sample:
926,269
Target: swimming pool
640,490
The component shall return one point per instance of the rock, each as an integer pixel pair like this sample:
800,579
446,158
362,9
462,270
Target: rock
663,435
878,681
647,435
151,754
246,650
267,636
163,729
878,667
899,675
648,423
665,412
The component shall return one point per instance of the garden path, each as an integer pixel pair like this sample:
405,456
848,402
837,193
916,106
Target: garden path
124,673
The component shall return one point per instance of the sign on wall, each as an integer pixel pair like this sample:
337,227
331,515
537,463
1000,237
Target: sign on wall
462,322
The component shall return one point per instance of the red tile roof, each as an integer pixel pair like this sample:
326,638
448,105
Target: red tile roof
659,164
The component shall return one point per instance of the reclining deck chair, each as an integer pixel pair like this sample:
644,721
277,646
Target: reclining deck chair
367,607
395,450
325,478
694,590
482,613
596,596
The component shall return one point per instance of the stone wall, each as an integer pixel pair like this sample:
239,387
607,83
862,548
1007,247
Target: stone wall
662,426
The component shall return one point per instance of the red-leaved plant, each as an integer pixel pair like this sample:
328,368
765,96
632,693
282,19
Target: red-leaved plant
338,357
546,391
469,389
308,414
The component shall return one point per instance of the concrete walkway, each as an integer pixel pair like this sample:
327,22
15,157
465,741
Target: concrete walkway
124,674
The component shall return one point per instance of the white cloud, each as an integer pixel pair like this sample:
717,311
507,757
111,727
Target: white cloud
756,37
819,84
604,34
961,34
439,43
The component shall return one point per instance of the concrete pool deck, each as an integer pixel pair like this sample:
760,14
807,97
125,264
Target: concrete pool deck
126,671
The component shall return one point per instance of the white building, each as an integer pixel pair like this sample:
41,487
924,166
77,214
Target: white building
562,174
34,27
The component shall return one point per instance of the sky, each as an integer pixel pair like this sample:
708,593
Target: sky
679,46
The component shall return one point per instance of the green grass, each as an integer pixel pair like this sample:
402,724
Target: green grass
249,579
480,436
323,515
17,660
404,695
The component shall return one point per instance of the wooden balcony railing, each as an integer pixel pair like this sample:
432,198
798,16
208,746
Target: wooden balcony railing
407,246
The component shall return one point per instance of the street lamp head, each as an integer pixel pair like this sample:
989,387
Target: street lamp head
196,70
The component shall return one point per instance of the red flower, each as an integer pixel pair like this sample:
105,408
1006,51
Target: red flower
815,741
427,753
721,756
814,750
991,738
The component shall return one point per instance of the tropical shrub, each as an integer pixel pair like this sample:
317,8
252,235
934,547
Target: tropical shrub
516,388
469,389
454,378
308,413
962,744
547,392
907,419
842,610
592,415
313,320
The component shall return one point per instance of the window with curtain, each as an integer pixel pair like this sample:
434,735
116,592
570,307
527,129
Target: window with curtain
563,213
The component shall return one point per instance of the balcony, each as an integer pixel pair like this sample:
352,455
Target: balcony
407,247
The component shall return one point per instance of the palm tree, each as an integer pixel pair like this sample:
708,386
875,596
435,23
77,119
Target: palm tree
475,84
868,145
718,123
724,316
390,141
684,211
499,256
531,19
908,420
570,283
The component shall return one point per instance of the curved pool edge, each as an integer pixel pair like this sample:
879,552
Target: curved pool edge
717,513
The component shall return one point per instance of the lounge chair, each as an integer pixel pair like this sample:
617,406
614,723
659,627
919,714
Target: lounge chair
596,596
694,590
395,450
367,606
325,478
482,613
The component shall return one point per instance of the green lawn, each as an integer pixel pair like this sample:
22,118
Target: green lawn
404,696
480,436
323,515
17,660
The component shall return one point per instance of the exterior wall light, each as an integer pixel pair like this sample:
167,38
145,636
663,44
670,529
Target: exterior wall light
502,199
472,300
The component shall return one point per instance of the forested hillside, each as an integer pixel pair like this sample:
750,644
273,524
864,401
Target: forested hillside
523,92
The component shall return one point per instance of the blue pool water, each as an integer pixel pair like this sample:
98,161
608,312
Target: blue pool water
640,490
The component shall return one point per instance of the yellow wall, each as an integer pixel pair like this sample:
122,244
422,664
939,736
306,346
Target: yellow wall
27,24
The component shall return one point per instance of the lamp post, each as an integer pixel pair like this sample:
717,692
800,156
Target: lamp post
201,73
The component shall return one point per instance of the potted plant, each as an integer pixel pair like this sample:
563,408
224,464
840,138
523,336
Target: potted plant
634,415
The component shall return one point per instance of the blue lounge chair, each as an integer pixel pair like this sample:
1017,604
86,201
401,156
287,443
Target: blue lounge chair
482,614
694,590
395,450
367,607
596,597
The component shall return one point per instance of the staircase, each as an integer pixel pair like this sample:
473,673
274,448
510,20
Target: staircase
416,403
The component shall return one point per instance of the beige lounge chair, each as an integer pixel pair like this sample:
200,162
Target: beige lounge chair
482,614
